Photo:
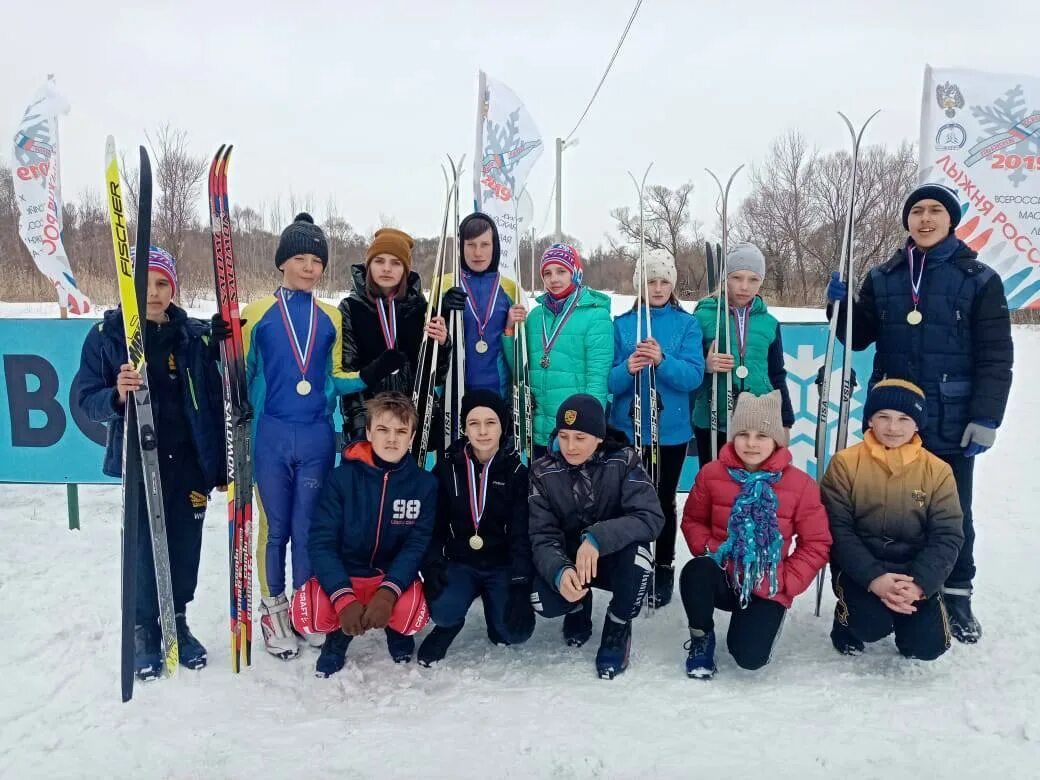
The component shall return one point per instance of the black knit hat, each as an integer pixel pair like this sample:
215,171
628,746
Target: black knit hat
899,395
582,412
302,237
490,400
940,192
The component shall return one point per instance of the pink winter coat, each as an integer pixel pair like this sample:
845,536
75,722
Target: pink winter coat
800,515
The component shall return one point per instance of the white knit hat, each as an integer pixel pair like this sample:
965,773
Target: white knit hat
759,413
659,265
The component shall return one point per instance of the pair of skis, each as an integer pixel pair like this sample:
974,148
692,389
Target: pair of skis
140,443
424,391
846,271
722,316
238,418
455,381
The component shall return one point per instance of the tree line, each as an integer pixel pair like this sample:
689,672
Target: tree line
795,212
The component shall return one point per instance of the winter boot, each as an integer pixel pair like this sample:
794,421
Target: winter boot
279,639
436,644
844,641
964,626
700,658
148,659
612,656
192,653
577,625
664,584
400,646
333,654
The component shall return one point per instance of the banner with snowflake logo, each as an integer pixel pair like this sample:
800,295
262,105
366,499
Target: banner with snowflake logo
508,145
980,134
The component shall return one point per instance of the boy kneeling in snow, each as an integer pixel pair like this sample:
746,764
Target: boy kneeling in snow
593,514
368,536
896,520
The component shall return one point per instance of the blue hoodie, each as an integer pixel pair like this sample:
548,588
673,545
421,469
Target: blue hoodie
679,374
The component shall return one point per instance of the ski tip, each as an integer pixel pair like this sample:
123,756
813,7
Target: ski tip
110,149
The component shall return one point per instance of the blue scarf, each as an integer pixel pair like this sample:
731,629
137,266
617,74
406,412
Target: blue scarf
753,542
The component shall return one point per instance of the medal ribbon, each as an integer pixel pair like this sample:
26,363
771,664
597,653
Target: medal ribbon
741,318
387,322
477,490
481,326
549,341
303,356
915,286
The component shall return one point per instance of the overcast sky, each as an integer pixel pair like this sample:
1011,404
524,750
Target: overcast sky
360,101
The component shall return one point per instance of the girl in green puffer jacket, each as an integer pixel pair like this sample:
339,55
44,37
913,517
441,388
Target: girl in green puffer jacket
570,340
756,358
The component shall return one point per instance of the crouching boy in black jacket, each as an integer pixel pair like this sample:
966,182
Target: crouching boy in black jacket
593,514
368,536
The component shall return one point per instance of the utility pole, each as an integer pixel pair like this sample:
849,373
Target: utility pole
560,146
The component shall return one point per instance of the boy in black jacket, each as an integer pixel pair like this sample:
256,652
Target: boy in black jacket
186,399
368,536
593,514
480,544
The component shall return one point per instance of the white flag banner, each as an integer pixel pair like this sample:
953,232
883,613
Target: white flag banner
508,145
35,169
980,135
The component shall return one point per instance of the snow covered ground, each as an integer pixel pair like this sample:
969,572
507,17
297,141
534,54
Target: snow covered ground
531,711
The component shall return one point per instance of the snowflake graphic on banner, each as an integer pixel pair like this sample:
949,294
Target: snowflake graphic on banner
1006,117
503,151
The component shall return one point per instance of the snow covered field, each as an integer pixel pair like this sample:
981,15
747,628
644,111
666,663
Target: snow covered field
532,711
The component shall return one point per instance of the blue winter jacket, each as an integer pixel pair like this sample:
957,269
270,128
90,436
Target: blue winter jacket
371,521
678,375
104,351
960,354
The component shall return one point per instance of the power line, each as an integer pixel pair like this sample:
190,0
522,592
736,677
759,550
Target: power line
610,64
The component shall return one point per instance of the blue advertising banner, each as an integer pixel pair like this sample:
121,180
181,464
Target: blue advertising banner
44,436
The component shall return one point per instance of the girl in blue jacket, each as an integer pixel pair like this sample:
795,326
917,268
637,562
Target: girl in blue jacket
676,354
185,388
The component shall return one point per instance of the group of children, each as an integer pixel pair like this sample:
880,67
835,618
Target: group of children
378,543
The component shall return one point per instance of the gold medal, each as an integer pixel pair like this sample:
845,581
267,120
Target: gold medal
482,346
742,372
475,542
914,317
303,387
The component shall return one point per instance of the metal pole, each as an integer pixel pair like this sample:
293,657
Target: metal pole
559,190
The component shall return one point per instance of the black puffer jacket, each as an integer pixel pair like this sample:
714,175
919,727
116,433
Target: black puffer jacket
363,342
609,497
960,354
503,527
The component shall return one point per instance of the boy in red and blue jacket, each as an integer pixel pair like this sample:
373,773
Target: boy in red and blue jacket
368,536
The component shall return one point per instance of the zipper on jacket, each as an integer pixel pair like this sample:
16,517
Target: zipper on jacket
191,389
379,520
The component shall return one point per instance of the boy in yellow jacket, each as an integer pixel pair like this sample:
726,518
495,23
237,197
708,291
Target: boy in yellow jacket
897,528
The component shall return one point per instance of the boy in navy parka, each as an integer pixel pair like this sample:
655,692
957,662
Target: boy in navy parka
369,534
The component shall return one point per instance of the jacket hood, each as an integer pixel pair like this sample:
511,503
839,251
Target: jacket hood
413,294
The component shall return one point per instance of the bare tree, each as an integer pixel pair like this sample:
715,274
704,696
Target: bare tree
177,176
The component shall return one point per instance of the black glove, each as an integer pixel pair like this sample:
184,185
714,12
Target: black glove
383,366
519,617
435,578
220,329
455,299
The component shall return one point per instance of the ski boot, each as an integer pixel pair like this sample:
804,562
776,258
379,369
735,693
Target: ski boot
700,659
192,653
436,644
279,639
612,656
333,654
148,658
844,641
964,626
664,585
400,646
577,625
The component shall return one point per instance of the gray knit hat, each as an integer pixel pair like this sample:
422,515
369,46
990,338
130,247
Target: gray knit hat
302,237
746,257
759,413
